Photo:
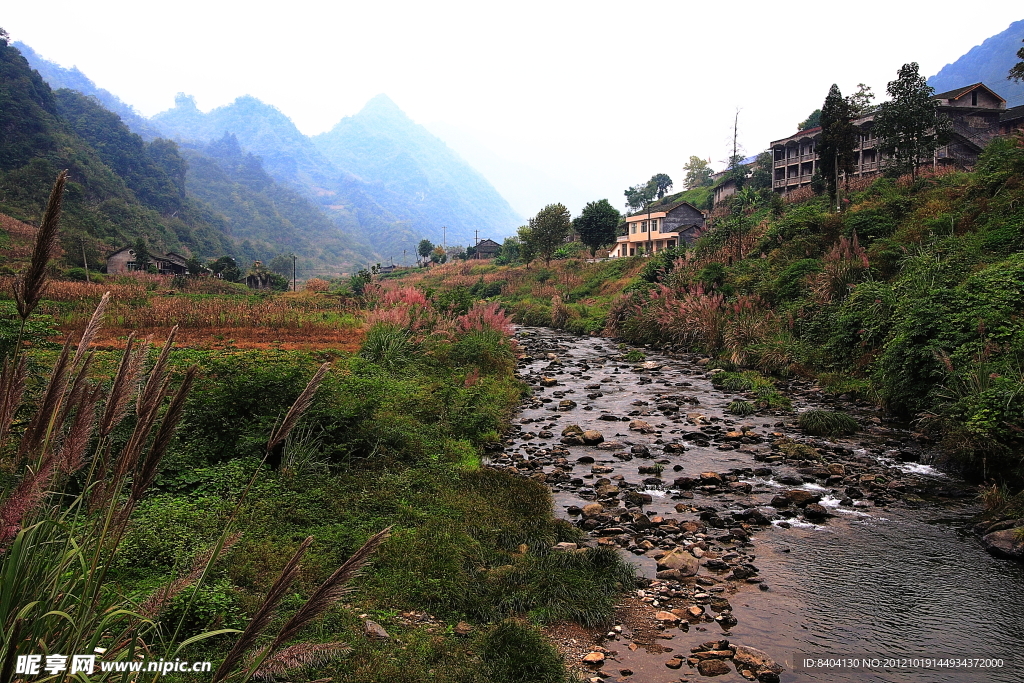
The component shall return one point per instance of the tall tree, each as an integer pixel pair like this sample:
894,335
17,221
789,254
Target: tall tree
527,244
662,184
143,259
838,142
424,249
698,173
597,225
548,230
811,121
639,196
860,101
909,126
764,172
1017,70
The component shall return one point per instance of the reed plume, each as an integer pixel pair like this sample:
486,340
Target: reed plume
160,598
12,386
29,289
125,385
331,590
259,622
297,656
275,445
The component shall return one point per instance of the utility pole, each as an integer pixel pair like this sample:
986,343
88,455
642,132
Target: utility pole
444,237
293,272
476,244
85,262
403,258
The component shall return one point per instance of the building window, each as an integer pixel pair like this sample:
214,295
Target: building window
632,228
654,225
643,226
974,98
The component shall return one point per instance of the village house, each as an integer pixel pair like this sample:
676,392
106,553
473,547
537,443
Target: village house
123,261
662,228
974,111
486,249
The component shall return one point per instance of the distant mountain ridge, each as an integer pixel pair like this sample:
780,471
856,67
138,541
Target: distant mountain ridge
987,63
377,173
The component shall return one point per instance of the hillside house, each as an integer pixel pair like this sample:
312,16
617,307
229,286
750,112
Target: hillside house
123,261
662,228
975,112
486,249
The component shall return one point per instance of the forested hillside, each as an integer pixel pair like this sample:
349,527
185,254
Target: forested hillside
124,188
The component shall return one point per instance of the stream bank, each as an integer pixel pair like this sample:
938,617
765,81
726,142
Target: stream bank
758,550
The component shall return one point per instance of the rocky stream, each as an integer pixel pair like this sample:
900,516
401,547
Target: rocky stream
761,553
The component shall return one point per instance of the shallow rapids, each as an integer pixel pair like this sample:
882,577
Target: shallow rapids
888,574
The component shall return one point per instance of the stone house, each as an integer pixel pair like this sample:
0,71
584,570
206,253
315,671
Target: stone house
123,261
662,228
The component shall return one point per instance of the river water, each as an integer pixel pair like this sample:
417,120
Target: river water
892,582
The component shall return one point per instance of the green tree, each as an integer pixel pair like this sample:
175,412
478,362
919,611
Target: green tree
764,172
281,264
226,267
860,101
424,249
508,252
1017,71
639,196
662,184
527,244
548,230
837,148
143,259
698,173
909,126
438,255
195,266
597,225
811,121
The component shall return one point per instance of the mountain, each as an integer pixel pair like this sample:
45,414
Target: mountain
376,174
120,187
58,77
205,202
416,176
989,64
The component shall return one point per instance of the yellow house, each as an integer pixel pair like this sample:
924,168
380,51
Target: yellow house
663,228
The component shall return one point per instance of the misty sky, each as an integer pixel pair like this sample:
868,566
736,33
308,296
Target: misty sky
581,98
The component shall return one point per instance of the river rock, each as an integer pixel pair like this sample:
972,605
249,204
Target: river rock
667,617
548,381
566,405
758,662
1006,543
592,509
594,658
816,511
712,667
801,497
592,437
680,560
641,426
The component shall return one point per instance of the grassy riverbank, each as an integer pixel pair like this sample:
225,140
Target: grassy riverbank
393,438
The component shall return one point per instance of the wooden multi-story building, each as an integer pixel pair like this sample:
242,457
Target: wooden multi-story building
974,112
662,228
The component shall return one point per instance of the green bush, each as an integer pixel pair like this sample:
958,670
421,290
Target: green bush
514,652
741,408
827,423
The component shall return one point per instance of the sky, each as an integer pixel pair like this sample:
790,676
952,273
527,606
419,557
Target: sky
578,99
